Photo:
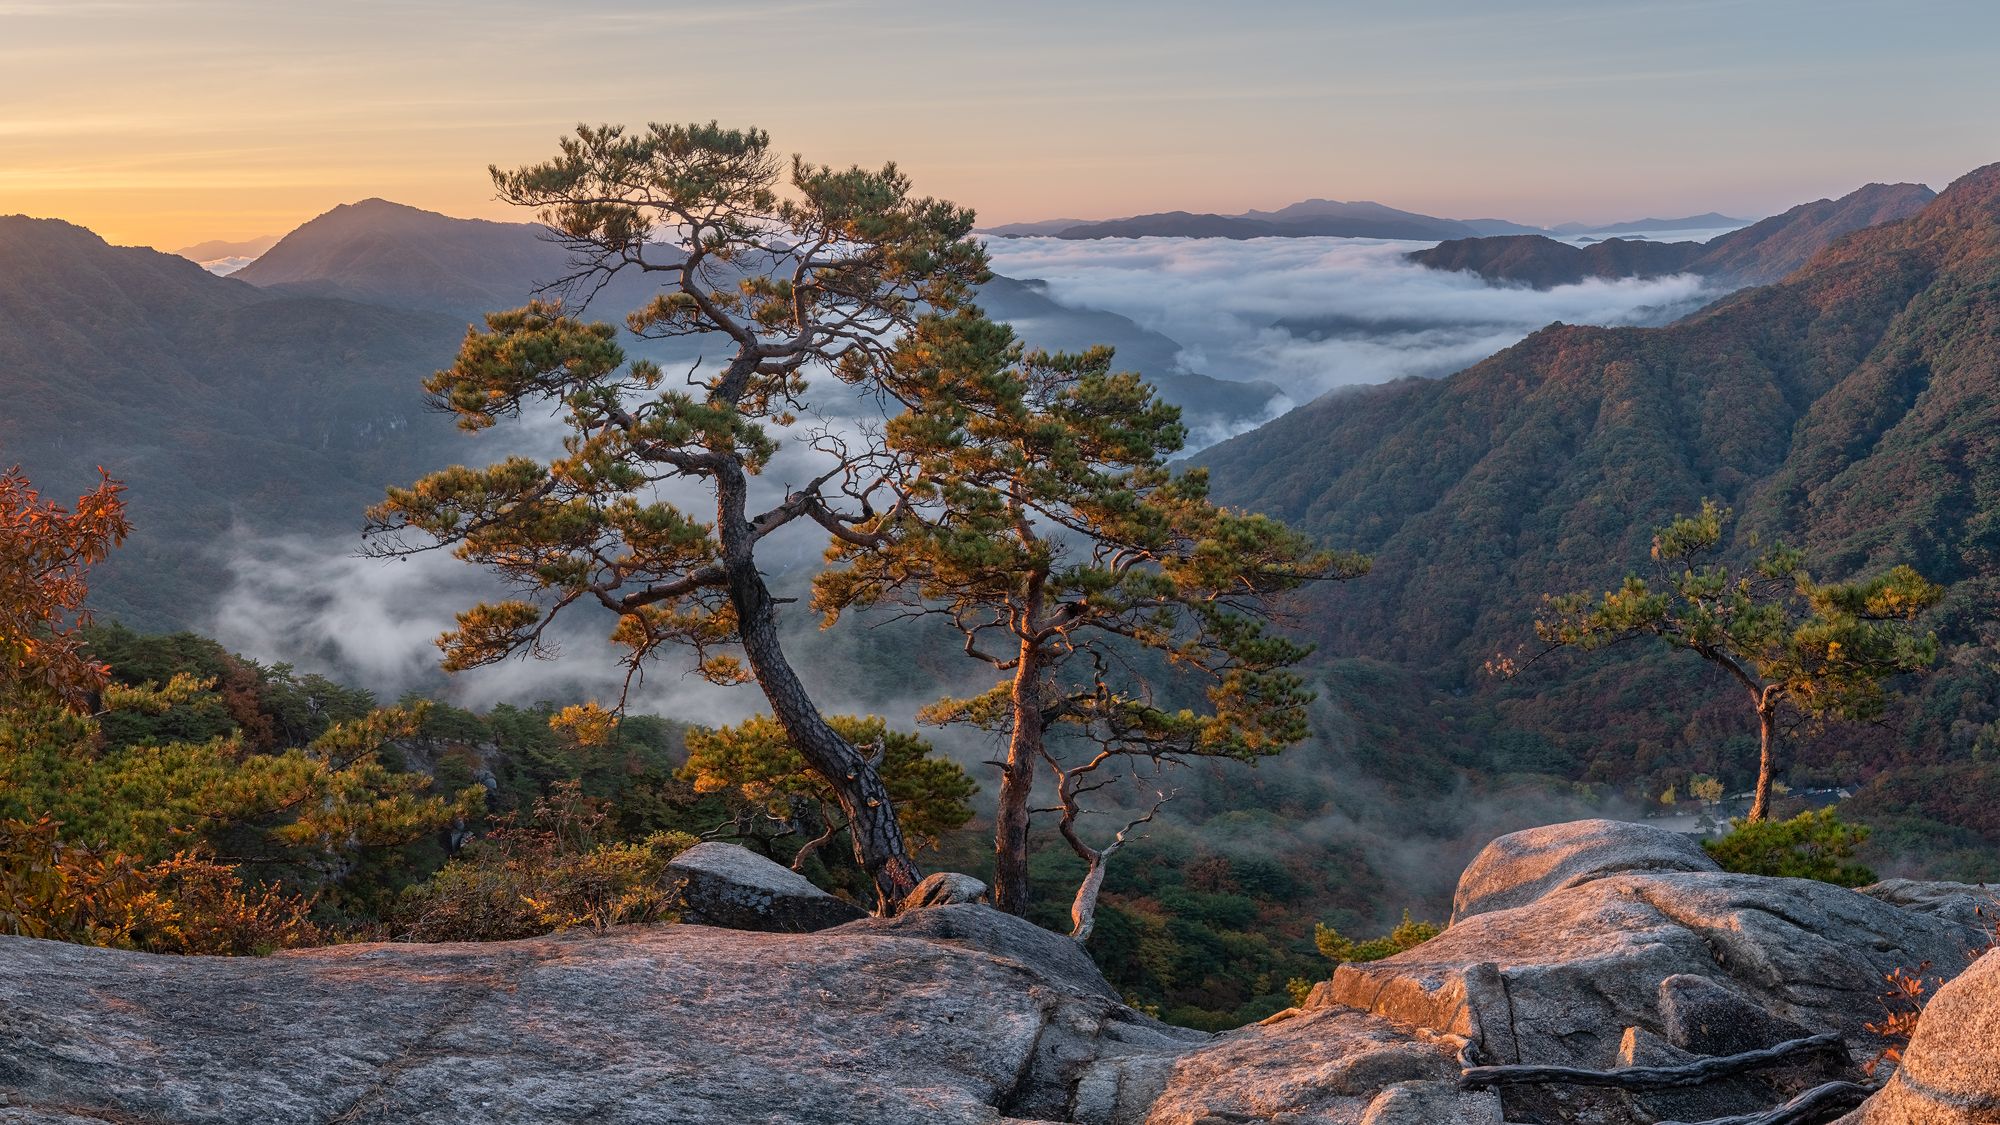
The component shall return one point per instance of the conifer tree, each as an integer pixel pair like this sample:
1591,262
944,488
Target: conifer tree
1821,650
1127,611
796,273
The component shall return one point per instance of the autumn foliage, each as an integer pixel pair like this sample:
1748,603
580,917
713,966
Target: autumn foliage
46,551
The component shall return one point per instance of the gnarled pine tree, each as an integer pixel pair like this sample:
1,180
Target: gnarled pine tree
1823,650
1128,611
818,277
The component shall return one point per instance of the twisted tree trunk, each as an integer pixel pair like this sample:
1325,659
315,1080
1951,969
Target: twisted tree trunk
1017,783
878,838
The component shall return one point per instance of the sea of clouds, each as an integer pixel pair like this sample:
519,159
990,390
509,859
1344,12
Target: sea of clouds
1313,314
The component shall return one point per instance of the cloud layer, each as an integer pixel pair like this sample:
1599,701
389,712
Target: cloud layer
1312,314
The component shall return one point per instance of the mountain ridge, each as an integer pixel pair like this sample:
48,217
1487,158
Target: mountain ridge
400,256
215,401
1757,254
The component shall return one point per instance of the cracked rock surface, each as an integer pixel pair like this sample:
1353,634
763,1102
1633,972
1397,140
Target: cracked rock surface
649,1024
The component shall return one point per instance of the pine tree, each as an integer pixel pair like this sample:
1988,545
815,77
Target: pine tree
1824,651
1127,611
815,277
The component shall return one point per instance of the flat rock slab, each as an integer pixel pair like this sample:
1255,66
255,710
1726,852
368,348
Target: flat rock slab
645,1024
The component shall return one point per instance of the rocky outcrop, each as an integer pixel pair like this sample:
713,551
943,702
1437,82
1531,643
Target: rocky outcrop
1950,1073
1558,980
718,884
958,1013
1520,867
1598,944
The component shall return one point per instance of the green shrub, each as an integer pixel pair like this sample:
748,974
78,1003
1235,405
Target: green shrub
1812,845
1408,934
551,874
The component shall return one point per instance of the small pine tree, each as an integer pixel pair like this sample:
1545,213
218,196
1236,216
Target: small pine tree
1822,650
1340,949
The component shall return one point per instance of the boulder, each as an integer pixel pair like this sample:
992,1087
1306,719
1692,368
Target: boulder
945,888
1520,867
1950,1073
1558,980
718,884
985,930
1970,904
1702,1017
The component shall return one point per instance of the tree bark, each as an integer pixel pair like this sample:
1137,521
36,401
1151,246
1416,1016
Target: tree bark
878,838
1017,783
1766,720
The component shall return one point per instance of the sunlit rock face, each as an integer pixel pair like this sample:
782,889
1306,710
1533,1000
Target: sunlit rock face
1573,941
1950,1074
1520,867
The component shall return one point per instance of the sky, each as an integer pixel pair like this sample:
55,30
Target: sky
166,122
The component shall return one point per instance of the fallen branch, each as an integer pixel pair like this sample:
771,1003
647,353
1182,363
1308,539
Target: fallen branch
1651,1077
1809,1108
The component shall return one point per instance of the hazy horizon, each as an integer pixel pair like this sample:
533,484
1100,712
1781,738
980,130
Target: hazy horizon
179,121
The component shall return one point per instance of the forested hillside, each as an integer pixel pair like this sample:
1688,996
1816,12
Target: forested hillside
1848,410
224,406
